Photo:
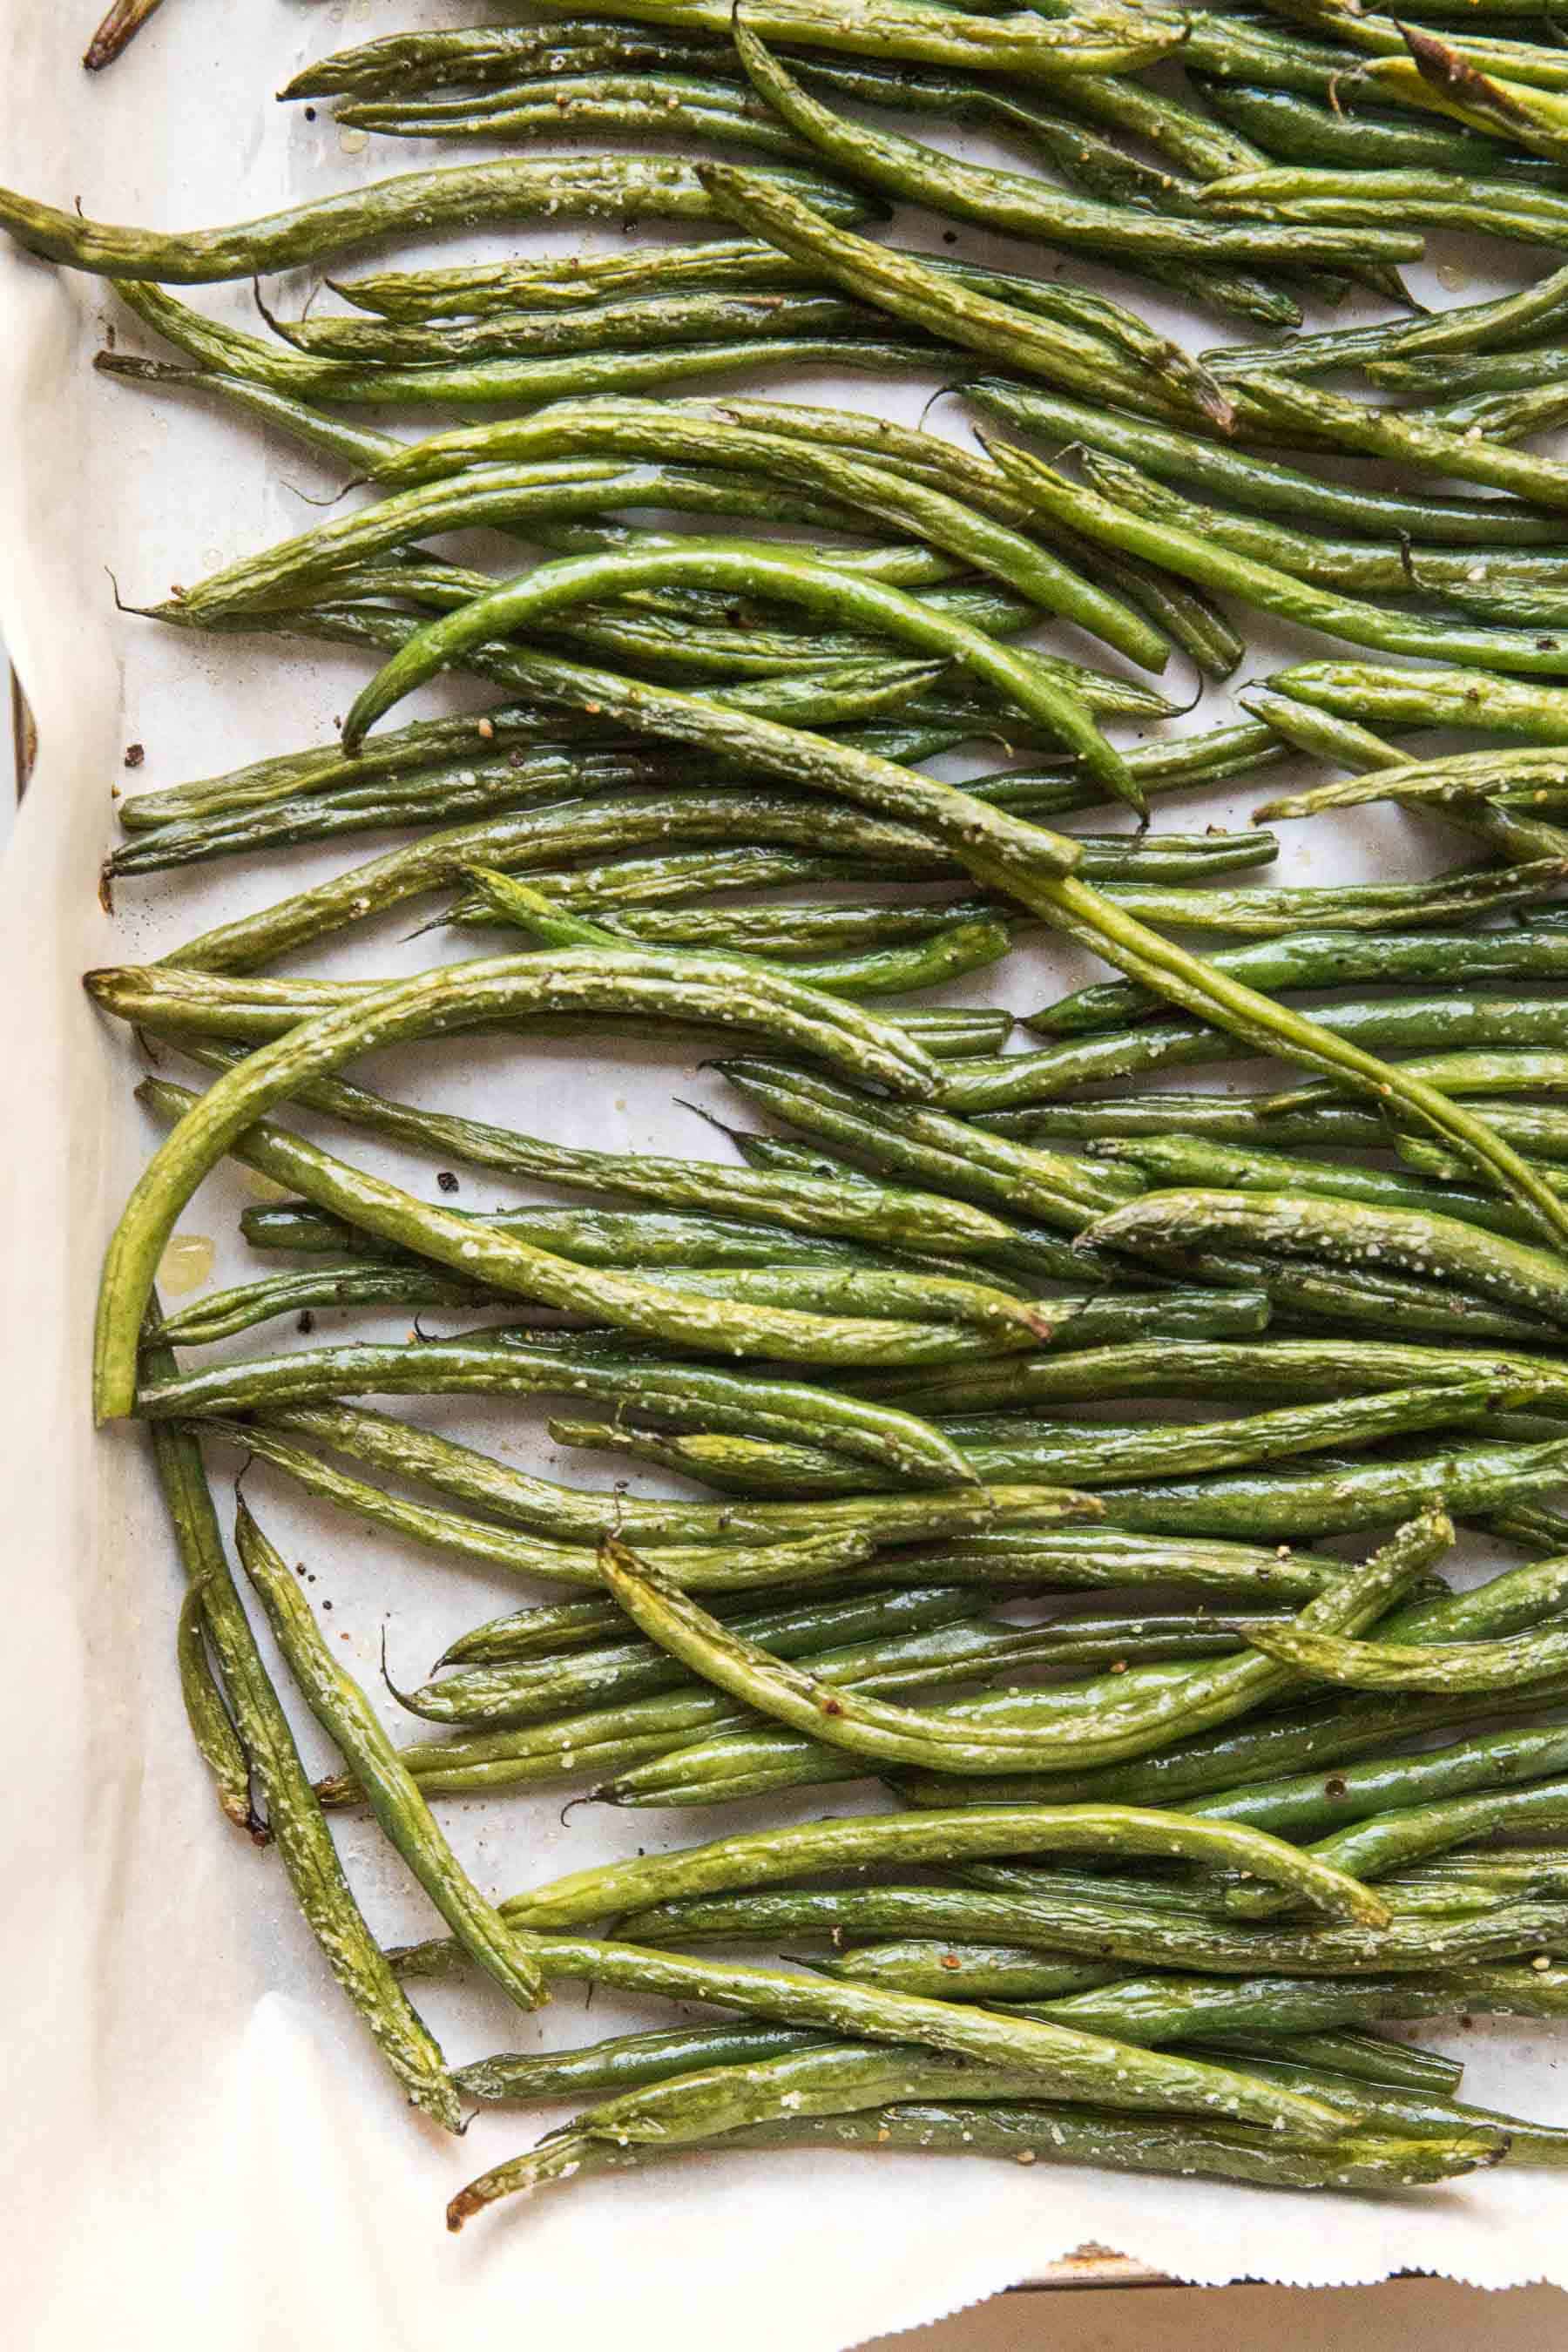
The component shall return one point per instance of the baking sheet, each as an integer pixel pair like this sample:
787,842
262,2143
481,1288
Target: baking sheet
197,2144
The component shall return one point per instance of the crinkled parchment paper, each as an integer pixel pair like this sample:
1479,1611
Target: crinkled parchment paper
197,2146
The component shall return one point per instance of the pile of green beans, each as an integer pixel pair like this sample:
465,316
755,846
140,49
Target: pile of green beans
1025,1472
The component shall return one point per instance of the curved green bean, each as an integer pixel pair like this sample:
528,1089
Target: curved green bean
1205,1696
1354,1233
462,195
1249,480
295,1821
342,1708
554,587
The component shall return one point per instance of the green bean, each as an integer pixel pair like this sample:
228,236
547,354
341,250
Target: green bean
703,1566
596,979
904,288
211,1725
440,799
502,1696
525,602
1452,897
658,105
626,2060
1294,130
479,383
1367,2057
396,61
720,265
1230,1772
767,1856
1382,1845
501,495
1032,207
841,2078
1282,1505
1237,1118
1188,1160
827,1211
316,1048
1512,1663
294,1817
1097,1929
1526,585
1378,433
939,960
501,1362
1030,2134
963,1160
1119,1728
1403,1025
1355,1234
1311,959
1438,75
544,1629
443,747
621,979
640,324
463,195
1111,1455
1420,2113
222,1313
577,1638
1124,1322
540,1505
1530,778
342,1708
597,1236
1252,481
1268,588
1172,1366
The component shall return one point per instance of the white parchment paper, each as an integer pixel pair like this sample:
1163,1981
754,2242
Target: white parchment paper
195,2144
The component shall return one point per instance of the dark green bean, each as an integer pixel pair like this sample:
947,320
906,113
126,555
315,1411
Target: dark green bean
962,1159
1355,1234
342,1708
1268,588
1188,1160
903,287
526,601
658,106
1169,1365
884,1215
1253,481
294,1817
621,2064
1109,1455
1403,1025
399,61
464,196
540,1505
1311,959
1118,1727
1095,1929
1031,2134
1033,207
211,1725
1526,584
